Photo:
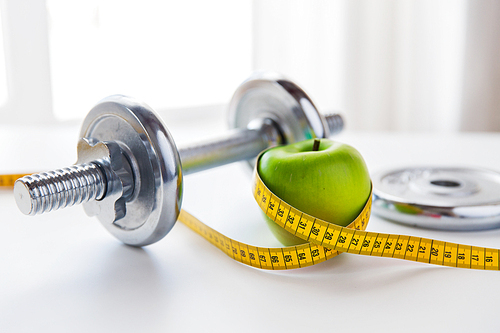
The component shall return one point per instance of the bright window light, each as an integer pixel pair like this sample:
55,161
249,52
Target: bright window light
169,54
3,73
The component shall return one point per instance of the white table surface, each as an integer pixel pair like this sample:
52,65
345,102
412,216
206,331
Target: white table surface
62,272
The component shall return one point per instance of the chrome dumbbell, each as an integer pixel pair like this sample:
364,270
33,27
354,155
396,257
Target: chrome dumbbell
129,171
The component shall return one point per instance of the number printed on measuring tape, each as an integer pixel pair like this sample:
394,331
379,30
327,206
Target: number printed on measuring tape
326,240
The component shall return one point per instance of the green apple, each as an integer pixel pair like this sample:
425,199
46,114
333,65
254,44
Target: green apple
326,179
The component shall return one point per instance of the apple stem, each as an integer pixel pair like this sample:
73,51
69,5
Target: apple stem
316,144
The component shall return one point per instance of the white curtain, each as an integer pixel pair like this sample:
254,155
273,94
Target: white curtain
387,64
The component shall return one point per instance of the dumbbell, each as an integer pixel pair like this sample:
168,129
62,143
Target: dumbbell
129,171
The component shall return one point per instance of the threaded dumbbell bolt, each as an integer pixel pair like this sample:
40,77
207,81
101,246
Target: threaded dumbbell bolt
61,188
334,122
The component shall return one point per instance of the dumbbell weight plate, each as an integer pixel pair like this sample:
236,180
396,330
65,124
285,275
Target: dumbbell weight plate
270,96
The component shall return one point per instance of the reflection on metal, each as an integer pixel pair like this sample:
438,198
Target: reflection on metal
446,198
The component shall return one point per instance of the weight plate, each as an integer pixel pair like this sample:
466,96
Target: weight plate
153,208
446,198
270,96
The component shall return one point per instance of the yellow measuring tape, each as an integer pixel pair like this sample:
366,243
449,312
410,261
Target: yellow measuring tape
9,180
325,240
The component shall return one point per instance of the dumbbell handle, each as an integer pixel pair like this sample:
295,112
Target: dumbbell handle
239,145
235,146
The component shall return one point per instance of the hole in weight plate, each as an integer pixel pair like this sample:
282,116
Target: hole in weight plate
445,183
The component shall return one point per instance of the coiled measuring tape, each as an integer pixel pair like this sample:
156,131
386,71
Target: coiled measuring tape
324,240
